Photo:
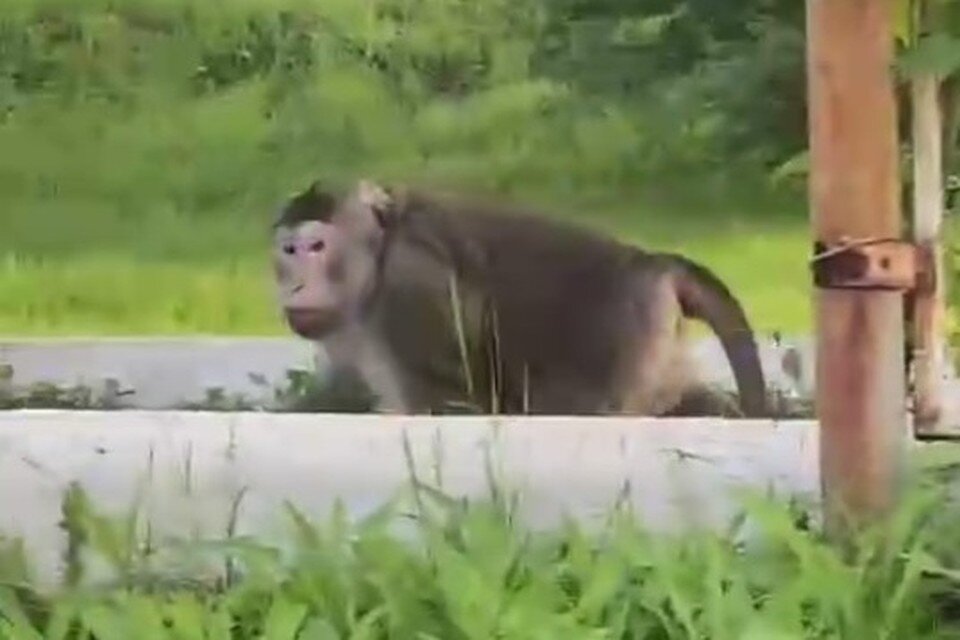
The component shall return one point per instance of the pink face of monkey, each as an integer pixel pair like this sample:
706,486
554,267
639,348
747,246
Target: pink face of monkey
326,267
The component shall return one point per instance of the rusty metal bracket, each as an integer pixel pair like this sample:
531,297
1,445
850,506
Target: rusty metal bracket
873,264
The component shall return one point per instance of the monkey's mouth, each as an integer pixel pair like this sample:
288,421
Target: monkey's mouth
312,323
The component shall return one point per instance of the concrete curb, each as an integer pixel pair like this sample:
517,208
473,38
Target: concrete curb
189,467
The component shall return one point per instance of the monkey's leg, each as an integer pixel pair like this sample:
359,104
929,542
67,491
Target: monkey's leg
373,363
702,401
656,370
557,393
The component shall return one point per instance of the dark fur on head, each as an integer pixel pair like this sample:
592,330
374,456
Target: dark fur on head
316,202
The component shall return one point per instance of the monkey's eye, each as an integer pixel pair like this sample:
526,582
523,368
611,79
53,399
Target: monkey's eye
317,246
289,249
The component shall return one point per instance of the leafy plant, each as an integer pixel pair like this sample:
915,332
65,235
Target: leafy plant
427,565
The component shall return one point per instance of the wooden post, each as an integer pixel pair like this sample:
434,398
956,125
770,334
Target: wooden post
854,191
928,302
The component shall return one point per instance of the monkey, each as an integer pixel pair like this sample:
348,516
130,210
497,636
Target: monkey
431,300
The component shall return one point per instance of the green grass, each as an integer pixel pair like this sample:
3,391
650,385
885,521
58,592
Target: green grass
120,296
429,567
123,295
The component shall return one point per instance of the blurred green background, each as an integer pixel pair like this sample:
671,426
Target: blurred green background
146,144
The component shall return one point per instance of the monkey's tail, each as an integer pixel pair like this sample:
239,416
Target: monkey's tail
704,296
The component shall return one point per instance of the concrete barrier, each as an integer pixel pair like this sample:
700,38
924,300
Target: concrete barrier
186,469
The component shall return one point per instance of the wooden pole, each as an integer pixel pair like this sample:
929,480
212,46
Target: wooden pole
854,191
928,303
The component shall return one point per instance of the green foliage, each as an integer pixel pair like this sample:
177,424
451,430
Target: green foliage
917,20
471,570
937,53
149,140
178,108
717,83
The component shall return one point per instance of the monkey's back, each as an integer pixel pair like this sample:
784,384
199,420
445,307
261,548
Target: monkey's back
506,236
562,294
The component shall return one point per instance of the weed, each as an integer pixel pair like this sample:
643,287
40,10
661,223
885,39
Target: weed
473,570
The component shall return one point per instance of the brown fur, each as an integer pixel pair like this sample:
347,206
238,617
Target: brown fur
584,324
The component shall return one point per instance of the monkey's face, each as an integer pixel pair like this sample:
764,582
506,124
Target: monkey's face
325,269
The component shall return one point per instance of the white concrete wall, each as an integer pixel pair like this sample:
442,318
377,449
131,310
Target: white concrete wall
200,461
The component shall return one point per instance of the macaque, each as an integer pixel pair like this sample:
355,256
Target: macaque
436,301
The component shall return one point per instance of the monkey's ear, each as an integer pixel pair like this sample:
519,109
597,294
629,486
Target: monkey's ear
378,199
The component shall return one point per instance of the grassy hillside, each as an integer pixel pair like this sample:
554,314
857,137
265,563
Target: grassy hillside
146,144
